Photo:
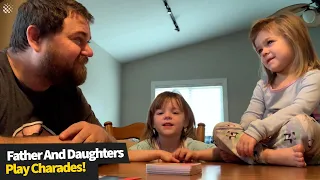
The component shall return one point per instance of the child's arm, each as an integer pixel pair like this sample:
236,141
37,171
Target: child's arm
143,152
150,155
305,102
211,154
256,106
198,150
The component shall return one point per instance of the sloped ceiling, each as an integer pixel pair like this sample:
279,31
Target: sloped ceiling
134,29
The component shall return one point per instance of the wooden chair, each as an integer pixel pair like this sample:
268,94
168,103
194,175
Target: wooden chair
200,132
136,130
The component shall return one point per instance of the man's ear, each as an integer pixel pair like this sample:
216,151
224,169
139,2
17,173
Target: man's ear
33,37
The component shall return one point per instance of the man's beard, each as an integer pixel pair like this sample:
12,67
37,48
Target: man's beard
56,70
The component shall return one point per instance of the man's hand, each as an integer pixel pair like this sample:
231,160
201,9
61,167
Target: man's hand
185,155
246,145
84,132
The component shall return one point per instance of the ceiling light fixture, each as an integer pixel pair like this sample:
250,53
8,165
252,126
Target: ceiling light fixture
171,15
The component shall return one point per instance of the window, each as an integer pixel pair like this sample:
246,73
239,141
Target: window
206,97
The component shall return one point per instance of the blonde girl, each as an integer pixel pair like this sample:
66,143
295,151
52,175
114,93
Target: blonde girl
280,124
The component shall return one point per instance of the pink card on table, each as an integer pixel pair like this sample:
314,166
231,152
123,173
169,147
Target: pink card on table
186,169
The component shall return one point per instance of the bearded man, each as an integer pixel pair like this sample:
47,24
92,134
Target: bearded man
40,71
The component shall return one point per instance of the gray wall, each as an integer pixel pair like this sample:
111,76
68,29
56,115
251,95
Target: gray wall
102,88
230,57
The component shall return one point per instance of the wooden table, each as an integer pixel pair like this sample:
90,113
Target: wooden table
215,171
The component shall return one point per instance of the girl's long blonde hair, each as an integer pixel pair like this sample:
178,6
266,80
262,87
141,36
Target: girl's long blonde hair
294,30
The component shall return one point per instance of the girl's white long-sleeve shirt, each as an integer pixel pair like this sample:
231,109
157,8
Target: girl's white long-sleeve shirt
270,109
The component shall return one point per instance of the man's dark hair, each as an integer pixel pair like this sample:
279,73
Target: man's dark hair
46,15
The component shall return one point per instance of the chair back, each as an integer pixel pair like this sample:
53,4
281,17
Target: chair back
136,130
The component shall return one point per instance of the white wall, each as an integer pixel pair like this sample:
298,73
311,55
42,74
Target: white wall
230,57
102,88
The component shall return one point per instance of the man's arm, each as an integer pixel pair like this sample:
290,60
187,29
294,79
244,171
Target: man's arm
84,132
31,140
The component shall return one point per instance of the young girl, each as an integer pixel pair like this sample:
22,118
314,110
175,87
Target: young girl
277,127
169,133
